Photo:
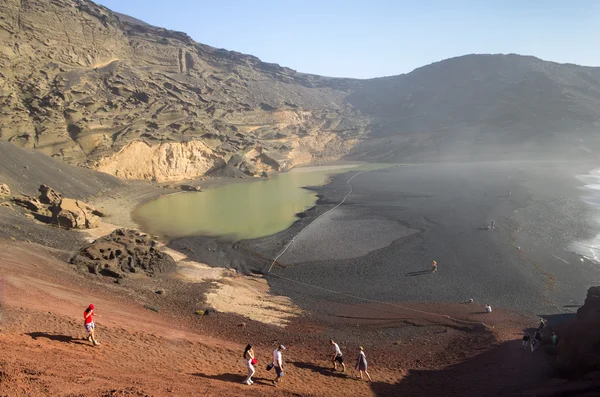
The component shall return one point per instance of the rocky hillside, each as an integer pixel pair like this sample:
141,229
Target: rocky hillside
110,92
84,84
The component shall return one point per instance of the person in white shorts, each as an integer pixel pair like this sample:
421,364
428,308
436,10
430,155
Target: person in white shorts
337,356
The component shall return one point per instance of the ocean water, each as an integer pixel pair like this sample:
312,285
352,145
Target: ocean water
590,248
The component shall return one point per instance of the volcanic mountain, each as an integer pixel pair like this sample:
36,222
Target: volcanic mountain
112,93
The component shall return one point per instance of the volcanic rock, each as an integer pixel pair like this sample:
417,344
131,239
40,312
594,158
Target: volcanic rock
49,195
579,345
74,214
31,203
121,252
4,191
190,188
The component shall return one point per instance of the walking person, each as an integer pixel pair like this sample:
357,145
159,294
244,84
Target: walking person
534,345
278,364
361,364
249,362
554,339
526,340
542,324
434,266
90,327
337,356
538,335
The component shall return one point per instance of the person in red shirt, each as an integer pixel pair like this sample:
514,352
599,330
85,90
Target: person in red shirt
88,316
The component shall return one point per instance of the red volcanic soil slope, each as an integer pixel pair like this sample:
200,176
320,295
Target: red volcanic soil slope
175,353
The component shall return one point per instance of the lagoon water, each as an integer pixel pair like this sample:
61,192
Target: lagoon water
241,210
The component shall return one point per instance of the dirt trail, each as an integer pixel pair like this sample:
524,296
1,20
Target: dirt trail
164,354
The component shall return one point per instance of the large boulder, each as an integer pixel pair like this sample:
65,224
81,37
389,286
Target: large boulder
579,346
74,214
49,195
121,252
4,191
31,203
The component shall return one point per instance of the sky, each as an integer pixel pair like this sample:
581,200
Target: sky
365,39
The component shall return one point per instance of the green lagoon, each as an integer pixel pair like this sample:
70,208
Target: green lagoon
240,210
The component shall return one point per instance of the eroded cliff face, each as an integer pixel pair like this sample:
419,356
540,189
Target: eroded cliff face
86,86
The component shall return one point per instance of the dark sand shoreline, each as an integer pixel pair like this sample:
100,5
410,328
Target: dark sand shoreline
448,218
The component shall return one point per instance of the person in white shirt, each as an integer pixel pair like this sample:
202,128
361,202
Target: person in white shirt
278,363
488,308
337,356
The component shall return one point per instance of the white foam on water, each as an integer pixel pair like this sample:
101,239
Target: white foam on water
590,249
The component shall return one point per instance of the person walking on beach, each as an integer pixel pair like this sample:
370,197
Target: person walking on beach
361,364
434,266
337,356
88,318
554,339
526,339
249,362
278,364
488,308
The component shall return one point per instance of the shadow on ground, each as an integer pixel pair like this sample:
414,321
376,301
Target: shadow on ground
56,337
506,368
419,273
235,378
325,371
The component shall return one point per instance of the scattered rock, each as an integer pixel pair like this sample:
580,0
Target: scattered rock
160,291
121,252
209,311
190,188
4,191
49,195
205,312
242,325
153,308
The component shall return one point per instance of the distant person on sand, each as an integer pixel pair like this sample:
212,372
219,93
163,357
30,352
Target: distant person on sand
278,364
554,339
526,340
488,308
434,266
88,317
337,356
361,364
249,362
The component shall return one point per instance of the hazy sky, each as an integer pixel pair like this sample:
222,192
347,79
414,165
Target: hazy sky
348,38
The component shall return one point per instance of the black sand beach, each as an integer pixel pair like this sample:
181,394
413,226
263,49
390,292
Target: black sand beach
379,245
